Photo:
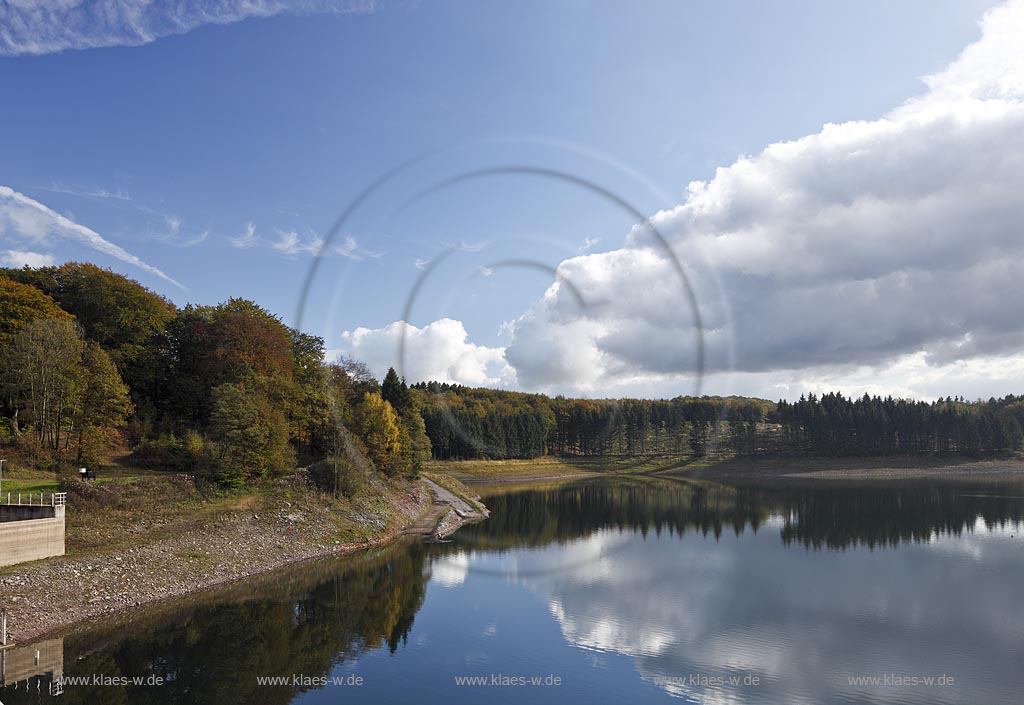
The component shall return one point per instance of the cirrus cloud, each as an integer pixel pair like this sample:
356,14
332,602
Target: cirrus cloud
49,26
25,219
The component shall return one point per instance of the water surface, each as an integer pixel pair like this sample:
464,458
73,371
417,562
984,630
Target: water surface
614,590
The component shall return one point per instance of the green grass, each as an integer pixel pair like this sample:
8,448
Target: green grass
551,467
26,486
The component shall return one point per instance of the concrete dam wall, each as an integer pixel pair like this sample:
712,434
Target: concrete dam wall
28,533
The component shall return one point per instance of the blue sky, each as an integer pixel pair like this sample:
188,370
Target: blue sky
222,155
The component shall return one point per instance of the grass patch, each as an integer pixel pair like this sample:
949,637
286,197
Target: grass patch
546,466
26,486
550,467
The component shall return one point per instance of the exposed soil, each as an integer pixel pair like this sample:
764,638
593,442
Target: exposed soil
201,549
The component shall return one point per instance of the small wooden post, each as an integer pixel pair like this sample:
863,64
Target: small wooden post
3,627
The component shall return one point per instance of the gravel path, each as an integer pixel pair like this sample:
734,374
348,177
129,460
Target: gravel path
447,512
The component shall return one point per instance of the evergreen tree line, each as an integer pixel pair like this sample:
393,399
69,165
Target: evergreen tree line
465,423
468,423
836,425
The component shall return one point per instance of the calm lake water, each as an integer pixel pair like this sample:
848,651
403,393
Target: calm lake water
608,591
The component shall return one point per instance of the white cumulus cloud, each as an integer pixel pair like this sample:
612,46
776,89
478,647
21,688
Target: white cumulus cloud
24,258
888,249
438,351
859,245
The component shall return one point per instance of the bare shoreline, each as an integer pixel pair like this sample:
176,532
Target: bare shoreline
899,468
748,469
53,595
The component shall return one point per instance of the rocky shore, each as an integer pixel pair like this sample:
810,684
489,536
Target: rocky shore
50,595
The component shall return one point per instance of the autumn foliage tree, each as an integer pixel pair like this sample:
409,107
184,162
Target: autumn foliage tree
20,304
250,436
119,314
66,387
377,425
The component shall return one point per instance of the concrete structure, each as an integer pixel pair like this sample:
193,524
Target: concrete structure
30,532
43,659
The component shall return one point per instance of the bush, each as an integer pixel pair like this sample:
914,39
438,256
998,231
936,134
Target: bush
35,456
168,452
91,495
165,452
329,471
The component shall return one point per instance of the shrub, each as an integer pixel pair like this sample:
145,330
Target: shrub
337,475
166,452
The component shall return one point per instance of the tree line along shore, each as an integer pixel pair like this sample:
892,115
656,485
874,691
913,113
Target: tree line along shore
224,436
96,366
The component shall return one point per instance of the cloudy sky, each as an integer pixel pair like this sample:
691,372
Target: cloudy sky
646,199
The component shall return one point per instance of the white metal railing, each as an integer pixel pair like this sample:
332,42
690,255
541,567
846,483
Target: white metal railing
35,499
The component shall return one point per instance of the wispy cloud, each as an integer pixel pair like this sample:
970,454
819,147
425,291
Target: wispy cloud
348,248
247,239
463,246
290,242
174,234
351,249
86,192
173,231
49,26
25,218
588,243
421,263
175,238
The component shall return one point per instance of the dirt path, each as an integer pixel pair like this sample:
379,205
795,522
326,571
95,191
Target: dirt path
435,522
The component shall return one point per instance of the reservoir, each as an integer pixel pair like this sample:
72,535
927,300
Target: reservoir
639,590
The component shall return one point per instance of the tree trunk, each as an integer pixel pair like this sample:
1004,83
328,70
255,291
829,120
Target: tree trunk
14,423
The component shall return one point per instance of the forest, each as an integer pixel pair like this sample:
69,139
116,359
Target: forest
93,361
467,423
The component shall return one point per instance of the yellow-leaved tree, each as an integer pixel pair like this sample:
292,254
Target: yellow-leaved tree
377,425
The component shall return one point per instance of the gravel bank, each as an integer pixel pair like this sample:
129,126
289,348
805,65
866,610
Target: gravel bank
49,595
